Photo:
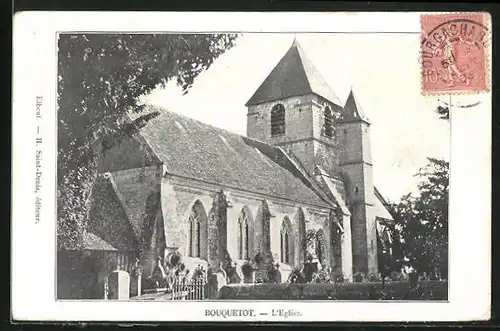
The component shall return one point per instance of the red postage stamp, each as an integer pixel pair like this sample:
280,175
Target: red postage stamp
454,52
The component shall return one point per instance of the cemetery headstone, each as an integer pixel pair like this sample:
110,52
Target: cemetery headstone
119,285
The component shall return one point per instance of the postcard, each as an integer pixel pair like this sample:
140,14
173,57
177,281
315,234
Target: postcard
251,166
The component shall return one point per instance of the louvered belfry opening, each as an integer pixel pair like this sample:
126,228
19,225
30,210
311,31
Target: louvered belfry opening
328,122
278,120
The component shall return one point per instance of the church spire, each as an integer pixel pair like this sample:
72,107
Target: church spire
294,75
352,111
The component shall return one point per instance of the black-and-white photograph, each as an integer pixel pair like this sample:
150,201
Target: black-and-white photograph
249,166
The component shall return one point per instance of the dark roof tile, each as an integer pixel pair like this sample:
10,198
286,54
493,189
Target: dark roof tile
200,151
294,75
95,243
352,111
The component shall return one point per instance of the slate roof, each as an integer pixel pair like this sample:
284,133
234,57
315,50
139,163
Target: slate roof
138,194
93,242
352,111
294,75
380,205
338,197
200,151
110,220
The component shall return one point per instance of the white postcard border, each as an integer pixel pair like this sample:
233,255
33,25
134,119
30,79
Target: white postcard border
33,244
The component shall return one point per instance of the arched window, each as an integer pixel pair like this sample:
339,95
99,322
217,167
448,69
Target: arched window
286,244
243,240
197,231
328,122
278,120
194,235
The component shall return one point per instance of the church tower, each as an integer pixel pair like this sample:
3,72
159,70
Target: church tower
294,108
355,163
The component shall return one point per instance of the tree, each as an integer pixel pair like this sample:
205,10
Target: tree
101,78
422,220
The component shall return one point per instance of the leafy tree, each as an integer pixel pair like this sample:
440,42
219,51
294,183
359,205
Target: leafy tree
422,220
101,77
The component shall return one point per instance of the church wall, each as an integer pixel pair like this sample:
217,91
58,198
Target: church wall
347,249
298,120
318,106
364,241
304,152
366,142
341,187
350,138
355,176
327,155
233,213
371,233
176,207
178,198
359,238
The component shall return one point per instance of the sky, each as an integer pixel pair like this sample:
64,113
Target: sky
381,68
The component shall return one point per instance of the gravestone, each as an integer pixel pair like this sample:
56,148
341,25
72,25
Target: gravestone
221,280
248,273
119,285
215,282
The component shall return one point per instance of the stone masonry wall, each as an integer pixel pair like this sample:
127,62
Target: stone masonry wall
356,166
177,200
298,120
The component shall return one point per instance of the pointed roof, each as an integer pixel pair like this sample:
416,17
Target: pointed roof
352,111
294,75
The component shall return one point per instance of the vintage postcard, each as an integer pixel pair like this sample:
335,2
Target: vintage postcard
251,166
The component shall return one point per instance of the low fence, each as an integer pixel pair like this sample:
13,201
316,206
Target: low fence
395,290
196,289
178,289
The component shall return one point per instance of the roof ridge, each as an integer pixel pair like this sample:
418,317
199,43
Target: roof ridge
209,125
200,142
306,61
357,113
297,164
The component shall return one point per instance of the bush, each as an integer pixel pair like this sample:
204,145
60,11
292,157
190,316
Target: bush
247,269
399,290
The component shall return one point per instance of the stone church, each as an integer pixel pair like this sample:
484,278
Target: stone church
298,187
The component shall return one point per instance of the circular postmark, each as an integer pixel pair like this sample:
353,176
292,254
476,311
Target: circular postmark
453,52
458,104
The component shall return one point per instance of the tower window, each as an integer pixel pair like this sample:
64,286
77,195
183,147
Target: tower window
328,122
277,120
